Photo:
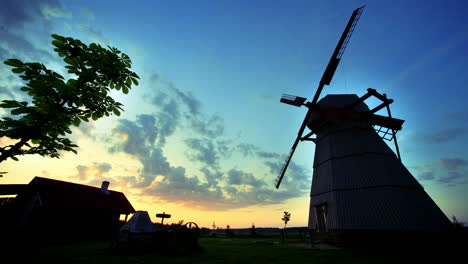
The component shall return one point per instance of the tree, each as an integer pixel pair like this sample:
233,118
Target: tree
286,218
253,231
40,127
457,223
228,231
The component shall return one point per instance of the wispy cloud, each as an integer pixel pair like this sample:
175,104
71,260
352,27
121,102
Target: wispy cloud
16,38
452,164
426,176
87,13
451,177
445,135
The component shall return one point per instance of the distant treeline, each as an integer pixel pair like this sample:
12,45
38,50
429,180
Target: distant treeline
267,230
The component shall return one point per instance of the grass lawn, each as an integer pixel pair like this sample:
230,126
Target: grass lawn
214,250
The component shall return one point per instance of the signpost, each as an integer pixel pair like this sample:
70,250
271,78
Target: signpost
162,216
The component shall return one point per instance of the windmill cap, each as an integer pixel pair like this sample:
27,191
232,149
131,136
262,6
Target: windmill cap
342,100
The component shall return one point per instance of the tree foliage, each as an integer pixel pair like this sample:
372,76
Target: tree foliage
40,127
457,223
286,218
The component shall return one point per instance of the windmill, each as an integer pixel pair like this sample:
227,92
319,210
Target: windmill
359,183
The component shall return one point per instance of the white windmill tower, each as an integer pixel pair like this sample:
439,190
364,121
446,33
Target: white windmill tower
360,187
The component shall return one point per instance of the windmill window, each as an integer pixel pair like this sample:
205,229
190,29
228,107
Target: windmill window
321,217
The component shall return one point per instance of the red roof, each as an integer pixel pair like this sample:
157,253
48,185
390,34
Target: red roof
61,195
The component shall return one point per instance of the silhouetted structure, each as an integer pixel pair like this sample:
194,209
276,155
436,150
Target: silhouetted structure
47,209
360,191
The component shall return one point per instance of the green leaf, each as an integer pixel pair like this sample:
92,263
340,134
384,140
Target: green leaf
128,81
135,81
18,70
68,60
18,111
58,37
36,141
57,43
116,111
125,89
76,122
94,116
14,158
9,103
13,62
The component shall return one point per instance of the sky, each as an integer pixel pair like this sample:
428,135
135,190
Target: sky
204,135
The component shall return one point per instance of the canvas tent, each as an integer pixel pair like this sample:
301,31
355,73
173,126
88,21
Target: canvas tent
138,231
140,222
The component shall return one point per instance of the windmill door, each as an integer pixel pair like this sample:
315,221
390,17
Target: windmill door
321,217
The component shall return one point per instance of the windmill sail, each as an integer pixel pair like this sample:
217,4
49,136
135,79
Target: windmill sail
285,164
326,79
338,53
292,100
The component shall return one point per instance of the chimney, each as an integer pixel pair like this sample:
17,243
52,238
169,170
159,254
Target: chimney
104,186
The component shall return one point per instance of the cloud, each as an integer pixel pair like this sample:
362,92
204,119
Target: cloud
202,150
18,40
426,176
93,35
238,177
212,177
246,149
210,187
208,126
87,13
421,167
457,117
97,170
265,97
54,9
296,179
143,140
177,187
444,135
185,104
450,177
16,13
193,104
268,155
452,164
213,189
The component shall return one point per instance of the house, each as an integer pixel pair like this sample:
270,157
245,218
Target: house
57,210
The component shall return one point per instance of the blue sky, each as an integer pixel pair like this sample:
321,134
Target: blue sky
205,134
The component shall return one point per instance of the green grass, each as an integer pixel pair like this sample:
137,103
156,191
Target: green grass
214,250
